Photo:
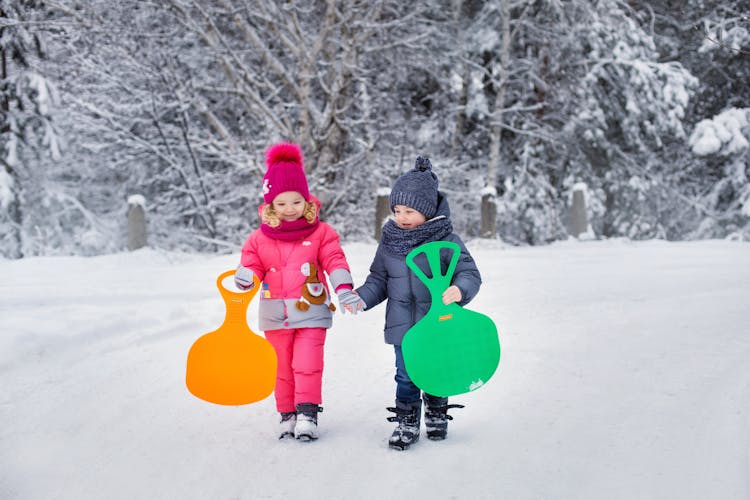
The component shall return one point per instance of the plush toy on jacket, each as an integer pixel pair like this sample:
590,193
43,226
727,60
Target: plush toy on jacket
313,292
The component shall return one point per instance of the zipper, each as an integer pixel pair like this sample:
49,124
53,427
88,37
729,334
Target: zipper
412,297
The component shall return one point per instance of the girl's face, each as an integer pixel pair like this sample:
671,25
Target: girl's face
289,205
407,217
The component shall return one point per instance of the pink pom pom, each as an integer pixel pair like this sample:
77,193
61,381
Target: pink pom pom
283,153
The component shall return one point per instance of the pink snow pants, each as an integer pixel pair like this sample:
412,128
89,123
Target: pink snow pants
299,375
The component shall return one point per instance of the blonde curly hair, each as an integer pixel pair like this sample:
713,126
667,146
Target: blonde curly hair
271,217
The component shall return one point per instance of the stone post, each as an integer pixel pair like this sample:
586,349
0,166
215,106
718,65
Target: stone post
382,210
579,223
488,225
136,222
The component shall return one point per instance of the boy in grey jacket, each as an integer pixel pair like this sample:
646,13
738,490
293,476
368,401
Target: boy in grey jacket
421,214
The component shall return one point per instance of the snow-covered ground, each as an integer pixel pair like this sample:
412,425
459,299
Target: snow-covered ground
624,375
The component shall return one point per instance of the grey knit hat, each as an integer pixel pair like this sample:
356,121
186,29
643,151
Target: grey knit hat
417,188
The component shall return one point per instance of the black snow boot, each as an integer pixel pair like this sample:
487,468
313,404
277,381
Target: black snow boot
436,416
408,416
306,428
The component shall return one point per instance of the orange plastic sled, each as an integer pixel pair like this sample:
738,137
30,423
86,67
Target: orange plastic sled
232,365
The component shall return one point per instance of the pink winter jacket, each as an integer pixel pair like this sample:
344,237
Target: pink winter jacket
283,268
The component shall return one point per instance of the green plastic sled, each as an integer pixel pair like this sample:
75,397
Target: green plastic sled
451,350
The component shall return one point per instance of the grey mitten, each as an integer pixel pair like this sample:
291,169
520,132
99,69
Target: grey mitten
243,278
350,298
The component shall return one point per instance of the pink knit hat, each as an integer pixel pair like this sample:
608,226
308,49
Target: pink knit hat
285,172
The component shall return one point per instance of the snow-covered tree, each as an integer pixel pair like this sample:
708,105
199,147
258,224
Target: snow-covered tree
712,40
627,120
27,132
178,100
723,144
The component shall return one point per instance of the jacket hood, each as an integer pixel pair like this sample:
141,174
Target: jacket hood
443,208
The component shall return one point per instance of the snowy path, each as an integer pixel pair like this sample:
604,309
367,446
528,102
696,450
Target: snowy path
624,375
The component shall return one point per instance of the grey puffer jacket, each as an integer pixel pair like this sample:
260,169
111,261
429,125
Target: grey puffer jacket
408,298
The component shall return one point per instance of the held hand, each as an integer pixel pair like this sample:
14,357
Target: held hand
451,294
243,278
349,300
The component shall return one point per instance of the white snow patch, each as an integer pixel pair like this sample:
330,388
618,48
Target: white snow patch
623,375
725,133
137,199
488,190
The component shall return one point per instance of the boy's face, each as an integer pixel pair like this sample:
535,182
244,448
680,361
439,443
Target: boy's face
289,205
407,217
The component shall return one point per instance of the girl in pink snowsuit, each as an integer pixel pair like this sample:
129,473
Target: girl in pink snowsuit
289,254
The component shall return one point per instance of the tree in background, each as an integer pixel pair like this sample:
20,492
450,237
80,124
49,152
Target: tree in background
712,41
27,131
504,117
178,100
719,163
628,125
142,123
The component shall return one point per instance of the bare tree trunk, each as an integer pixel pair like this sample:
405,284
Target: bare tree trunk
340,80
489,225
13,205
463,98
13,210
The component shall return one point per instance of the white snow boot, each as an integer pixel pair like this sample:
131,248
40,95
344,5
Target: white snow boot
306,428
287,423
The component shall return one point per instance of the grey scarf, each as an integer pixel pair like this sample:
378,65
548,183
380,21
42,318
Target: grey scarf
399,241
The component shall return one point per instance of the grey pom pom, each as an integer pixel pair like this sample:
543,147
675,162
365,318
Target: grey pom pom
422,164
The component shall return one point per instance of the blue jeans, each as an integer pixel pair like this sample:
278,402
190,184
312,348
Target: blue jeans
406,391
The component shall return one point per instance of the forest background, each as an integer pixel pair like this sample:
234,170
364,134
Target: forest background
517,101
